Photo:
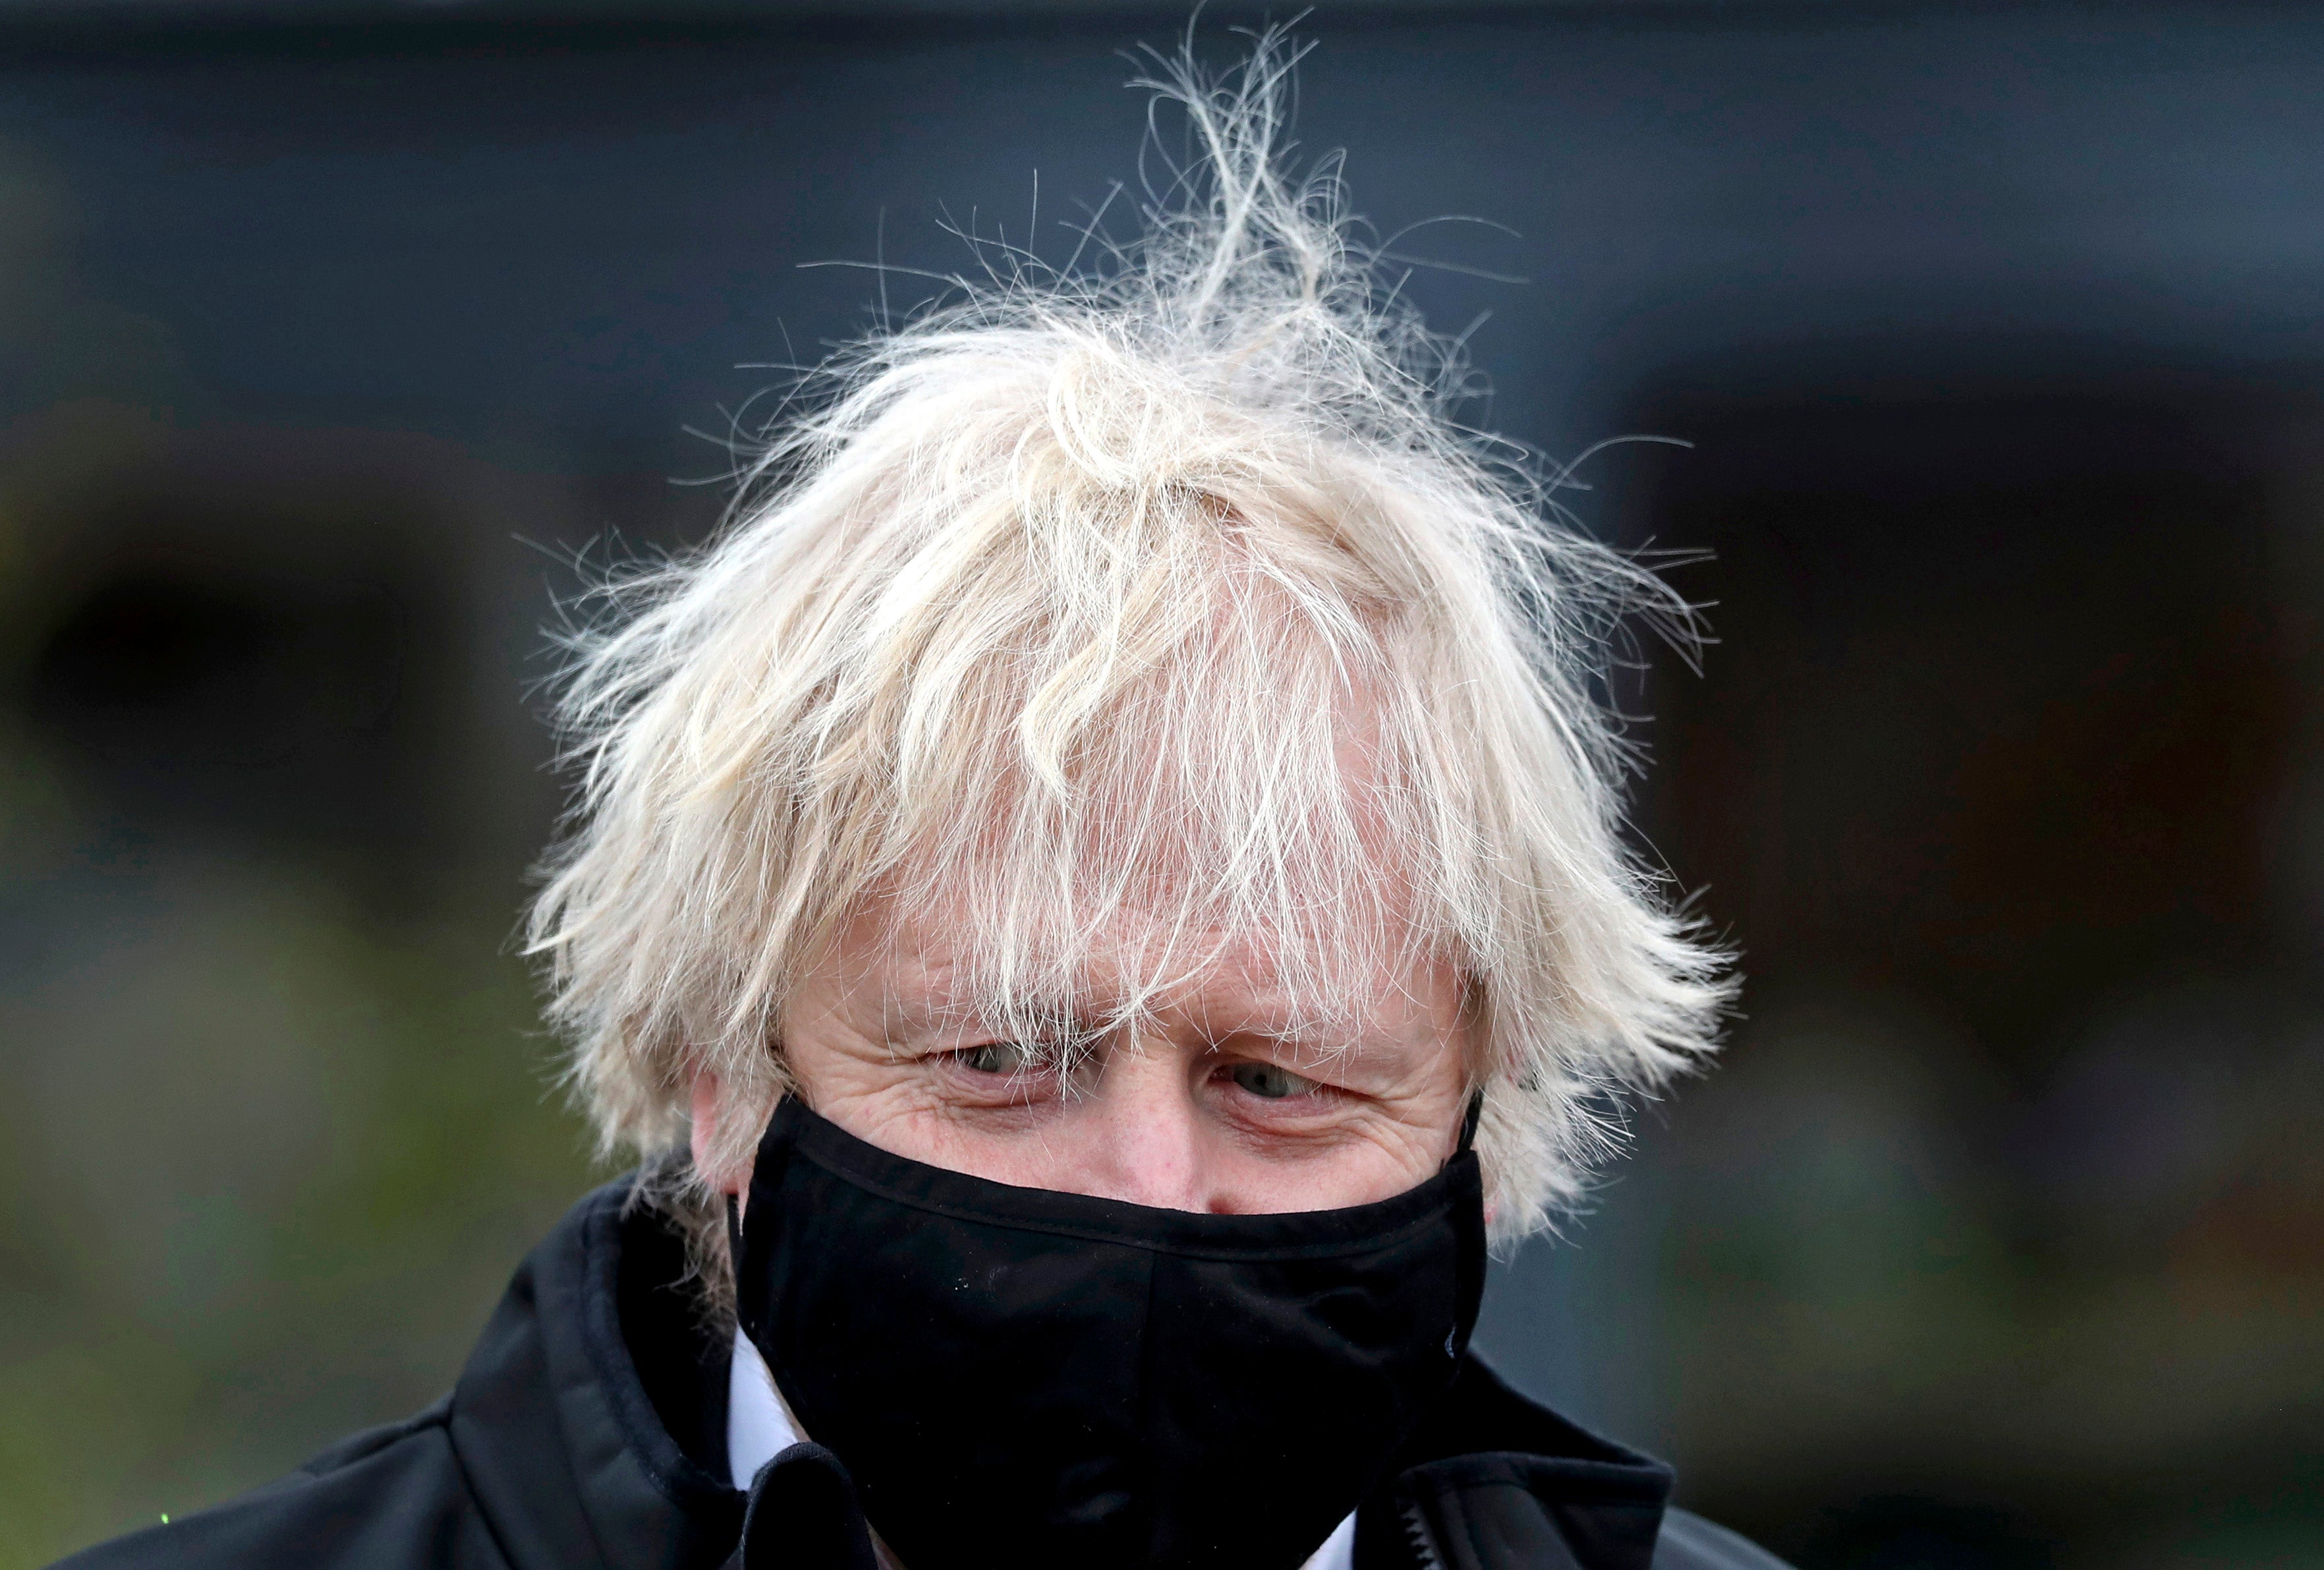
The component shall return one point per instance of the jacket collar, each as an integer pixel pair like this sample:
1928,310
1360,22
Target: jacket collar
1496,1478
573,1462
562,1446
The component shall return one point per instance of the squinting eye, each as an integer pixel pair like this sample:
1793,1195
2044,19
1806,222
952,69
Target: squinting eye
996,1057
1264,1079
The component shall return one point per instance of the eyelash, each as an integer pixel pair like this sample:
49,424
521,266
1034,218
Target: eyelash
1268,1081
1026,1060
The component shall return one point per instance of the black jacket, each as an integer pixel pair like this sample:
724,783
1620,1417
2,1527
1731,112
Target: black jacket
588,1433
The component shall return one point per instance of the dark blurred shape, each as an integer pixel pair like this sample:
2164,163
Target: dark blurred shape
197,684
2004,702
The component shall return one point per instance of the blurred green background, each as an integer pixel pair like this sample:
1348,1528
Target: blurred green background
269,1168
328,340
276,1115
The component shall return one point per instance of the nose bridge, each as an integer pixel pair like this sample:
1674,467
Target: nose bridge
1144,1114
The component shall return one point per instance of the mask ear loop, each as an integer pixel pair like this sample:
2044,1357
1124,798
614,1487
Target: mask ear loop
1467,1123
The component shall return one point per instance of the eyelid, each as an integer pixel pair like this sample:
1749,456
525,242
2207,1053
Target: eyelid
1304,1084
1030,1055
1036,1057
1309,1063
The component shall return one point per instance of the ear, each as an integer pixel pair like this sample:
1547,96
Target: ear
703,1117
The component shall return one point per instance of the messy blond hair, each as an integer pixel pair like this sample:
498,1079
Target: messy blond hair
1068,596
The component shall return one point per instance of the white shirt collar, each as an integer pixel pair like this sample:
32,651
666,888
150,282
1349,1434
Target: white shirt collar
759,1427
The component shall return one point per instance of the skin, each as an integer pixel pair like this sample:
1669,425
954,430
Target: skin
1212,1102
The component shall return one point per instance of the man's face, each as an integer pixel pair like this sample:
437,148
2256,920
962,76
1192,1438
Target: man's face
1219,1098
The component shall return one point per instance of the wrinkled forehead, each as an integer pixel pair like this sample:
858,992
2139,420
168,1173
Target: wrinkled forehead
941,967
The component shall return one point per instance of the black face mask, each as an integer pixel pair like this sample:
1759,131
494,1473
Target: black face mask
1019,1376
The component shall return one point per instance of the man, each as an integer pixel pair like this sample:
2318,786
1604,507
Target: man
1094,898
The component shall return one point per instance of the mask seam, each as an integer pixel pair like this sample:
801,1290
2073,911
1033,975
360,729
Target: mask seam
1223,1253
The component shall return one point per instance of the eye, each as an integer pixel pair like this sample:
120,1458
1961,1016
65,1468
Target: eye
997,1057
1268,1081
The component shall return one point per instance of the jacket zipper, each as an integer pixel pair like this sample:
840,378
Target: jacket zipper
1423,1542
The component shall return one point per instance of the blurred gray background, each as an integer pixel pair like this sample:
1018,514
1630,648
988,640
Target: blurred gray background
329,336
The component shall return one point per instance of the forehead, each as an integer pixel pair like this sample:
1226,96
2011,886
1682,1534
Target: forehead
935,960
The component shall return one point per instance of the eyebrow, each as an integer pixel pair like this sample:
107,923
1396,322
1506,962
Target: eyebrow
967,1008
1054,1015
950,995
